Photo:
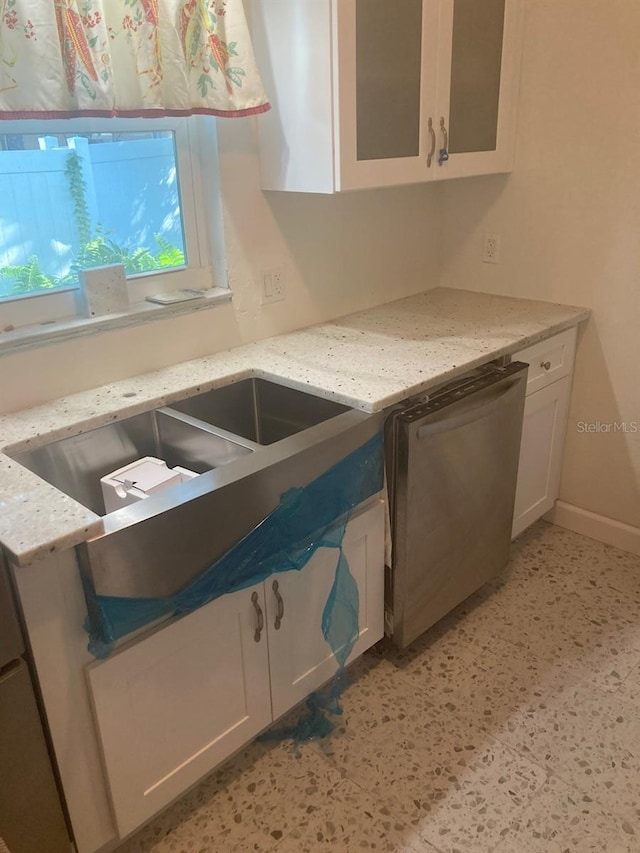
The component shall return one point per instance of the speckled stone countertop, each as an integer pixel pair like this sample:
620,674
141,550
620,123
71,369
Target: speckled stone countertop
368,360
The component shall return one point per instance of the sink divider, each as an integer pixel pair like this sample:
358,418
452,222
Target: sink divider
211,429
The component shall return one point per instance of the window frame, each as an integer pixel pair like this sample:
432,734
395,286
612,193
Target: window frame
45,308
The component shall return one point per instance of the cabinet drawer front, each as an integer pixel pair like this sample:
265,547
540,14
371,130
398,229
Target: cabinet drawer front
549,360
177,703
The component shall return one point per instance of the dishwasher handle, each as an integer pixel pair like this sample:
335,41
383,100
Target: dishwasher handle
475,407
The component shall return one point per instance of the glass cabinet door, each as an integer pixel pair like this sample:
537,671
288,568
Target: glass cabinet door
476,60
388,66
427,89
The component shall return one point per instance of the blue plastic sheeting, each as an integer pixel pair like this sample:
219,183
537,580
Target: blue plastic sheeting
340,629
306,519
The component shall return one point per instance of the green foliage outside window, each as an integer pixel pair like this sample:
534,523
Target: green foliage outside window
96,250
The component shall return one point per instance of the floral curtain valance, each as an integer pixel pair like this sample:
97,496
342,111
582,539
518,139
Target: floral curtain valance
65,58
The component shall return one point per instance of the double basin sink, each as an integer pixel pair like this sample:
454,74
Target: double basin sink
250,442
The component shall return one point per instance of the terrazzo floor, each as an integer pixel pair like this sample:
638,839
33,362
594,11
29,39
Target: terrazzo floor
512,726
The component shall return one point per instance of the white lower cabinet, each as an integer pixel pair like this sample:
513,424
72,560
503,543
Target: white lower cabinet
172,706
179,702
543,430
300,659
544,426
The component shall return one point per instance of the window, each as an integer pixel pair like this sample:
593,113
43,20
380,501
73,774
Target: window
81,193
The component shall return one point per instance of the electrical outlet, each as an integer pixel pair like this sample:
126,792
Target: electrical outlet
272,285
491,249
278,284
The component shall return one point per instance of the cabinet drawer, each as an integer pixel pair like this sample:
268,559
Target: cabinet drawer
549,360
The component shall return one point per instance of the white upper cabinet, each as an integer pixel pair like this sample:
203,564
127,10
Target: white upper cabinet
386,75
480,46
368,93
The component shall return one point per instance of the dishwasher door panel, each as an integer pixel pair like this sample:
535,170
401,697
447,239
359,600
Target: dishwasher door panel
454,497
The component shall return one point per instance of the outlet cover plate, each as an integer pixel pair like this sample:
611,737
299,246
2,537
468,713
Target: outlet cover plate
491,249
272,285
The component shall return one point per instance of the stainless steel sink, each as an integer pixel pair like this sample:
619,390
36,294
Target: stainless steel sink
250,442
75,465
260,410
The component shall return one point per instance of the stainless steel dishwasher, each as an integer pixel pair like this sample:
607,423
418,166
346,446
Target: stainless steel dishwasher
452,462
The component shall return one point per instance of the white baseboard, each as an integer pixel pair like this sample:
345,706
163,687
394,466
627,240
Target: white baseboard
616,533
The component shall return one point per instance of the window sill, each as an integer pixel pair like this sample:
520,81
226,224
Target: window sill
31,337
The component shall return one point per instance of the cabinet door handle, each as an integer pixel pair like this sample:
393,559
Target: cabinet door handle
260,615
432,134
280,602
545,365
444,151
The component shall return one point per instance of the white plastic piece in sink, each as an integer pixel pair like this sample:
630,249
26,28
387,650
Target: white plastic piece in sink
139,480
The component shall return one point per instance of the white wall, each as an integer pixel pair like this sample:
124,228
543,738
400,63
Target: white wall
340,254
569,223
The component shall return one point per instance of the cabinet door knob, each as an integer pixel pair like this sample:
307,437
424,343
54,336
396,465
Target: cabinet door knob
432,151
545,365
280,602
260,615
